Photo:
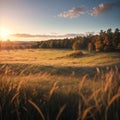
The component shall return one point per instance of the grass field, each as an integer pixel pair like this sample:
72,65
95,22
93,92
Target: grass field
50,85
57,57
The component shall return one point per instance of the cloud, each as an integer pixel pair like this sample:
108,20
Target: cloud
73,13
78,11
69,35
30,35
102,8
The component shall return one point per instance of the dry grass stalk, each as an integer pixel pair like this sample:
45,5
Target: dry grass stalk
82,82
86,111
97,101
94,94
98,70
19,86
52,90
85,101
115,97
109,81
60,112
14,97
37,108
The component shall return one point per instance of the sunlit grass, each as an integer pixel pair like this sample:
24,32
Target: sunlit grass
44,96
50,85
57,57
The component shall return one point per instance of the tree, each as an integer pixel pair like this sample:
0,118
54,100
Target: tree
90,47
75,45
109,41
99,45
116,37
109,35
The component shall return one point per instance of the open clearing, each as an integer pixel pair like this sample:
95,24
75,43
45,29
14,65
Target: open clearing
57,57
40,84
56,62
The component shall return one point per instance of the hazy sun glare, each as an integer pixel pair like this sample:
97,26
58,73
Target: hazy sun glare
4,33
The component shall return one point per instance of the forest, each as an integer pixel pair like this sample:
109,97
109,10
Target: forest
104,41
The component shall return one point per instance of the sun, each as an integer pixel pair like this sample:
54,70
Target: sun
4,33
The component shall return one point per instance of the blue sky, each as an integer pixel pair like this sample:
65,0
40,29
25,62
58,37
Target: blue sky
46,19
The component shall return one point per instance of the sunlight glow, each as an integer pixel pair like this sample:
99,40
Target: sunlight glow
4,33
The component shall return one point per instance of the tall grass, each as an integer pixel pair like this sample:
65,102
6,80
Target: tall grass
50,97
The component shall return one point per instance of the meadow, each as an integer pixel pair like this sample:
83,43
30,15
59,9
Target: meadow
44,84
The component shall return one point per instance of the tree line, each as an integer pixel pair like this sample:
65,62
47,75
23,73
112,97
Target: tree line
105,41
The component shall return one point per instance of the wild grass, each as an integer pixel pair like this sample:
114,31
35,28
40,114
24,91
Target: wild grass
44,85
43,96
55,57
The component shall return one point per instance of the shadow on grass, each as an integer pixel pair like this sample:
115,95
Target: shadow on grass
50,109
27,69
21,109
35,102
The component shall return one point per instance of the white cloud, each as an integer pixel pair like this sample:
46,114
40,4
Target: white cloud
23,35
69,35
101,8
73,13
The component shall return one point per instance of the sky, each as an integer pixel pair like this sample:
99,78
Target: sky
54,19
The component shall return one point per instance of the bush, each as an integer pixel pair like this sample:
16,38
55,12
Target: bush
76,53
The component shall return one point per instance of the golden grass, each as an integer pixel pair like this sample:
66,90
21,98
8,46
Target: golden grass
54,87
37,108
86,111
114,98
56,57
60,112
48,97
